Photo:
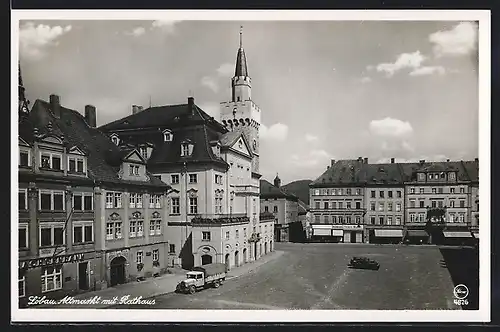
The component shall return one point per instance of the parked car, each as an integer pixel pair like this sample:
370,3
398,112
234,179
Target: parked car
363,263
200,277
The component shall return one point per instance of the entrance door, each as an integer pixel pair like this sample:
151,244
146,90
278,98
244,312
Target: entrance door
237,258
353,237
265,248
83,276
245,255
117,270
206,259
227,262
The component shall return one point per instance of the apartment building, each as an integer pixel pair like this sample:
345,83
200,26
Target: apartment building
90,213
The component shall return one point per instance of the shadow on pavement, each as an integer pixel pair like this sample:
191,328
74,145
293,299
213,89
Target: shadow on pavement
463,266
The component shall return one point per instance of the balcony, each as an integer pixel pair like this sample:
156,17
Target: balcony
217,219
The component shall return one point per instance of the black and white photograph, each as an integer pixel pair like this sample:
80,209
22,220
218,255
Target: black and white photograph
250,166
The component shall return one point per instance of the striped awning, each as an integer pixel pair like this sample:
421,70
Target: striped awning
337,232
417,233
389,232
457,234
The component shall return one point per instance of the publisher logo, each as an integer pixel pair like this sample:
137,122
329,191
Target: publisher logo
460,292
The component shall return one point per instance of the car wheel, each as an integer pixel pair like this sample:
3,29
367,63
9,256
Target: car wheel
216,284
192,290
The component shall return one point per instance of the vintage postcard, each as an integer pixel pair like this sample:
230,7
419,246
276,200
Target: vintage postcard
237,166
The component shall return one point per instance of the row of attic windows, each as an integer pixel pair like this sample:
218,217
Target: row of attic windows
167,137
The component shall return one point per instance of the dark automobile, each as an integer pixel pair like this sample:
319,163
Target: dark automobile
363,263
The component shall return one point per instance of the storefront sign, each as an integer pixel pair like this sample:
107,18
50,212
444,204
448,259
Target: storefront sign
349,227
45,261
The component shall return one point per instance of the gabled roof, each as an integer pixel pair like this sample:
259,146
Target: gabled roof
410,170
346,171
228,140
103,157
268,190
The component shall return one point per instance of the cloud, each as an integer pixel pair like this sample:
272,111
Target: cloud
167,26
276,132
428,70
211,108
370,67
460,40
404,60
366,79
390,127
312,158
226,69
33,40
139,31
311,138
210,83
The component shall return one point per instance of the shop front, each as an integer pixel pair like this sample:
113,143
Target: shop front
58,276
326,233
352,233
386,236
458,237
416,236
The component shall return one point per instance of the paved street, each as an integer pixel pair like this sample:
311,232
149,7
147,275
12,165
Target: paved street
316,276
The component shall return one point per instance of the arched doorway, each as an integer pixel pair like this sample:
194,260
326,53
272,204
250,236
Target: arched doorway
265,248
206,259
227,262
244,255
271,245
117,270
236,258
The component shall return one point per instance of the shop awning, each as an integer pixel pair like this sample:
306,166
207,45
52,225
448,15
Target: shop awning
389,232
322,232
337,232
457,234
417,233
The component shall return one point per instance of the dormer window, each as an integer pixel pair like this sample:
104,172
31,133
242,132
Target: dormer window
452,176
50,161
115,139
167,135
421,176
24,158
143,150
134,170
76,165
186,149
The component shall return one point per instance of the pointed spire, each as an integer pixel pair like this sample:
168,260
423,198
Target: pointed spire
23,102
241,60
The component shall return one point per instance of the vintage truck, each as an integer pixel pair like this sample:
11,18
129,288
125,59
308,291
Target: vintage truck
200,277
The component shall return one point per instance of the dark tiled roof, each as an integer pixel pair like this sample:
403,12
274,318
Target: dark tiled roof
410,170
103,157
472,169
380,174
268,190
229,138
341,172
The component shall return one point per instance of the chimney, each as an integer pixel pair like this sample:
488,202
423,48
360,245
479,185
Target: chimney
140,108
135,109
333,162
327,167
55,105
360,159
422,161
392,160
90,115
476,160
191,105
447,160
366,160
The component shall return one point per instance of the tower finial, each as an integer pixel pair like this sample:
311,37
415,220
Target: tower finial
241,36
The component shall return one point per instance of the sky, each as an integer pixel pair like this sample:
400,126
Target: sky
327,89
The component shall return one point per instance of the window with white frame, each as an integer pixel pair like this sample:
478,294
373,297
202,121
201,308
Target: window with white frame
21,284
155,201
389,220
193,178
205,236
237,234
51,200
51,234
143,150
167,136
184,150
176,207
398,221
462,190
461,217
23,199
135,201
23,236
83,201
115,139
193,205
51,278
50,160
227,235
412,217
24,157
174,179
381,206
76,164
139,257
389,207
155,224
133,170
218,179
83,231
398,207
114,227
412,190
113,200
136,224
156,255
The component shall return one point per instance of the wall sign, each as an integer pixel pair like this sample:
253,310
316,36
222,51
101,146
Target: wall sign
45,261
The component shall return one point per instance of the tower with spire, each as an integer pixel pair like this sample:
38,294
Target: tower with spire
23,102
241,113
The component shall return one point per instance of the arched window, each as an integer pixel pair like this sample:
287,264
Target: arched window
136,225
114,227
155,224
115,139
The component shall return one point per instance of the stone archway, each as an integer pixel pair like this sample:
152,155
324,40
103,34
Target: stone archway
206,259
117,270
236,258
245,258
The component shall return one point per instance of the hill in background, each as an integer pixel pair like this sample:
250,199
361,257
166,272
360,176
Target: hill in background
299,188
